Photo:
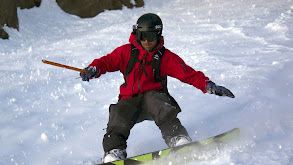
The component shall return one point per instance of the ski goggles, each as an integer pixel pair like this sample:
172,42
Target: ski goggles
149,36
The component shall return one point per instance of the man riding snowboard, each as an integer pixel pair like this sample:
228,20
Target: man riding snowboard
145,64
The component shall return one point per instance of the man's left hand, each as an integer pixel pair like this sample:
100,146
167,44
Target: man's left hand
212,88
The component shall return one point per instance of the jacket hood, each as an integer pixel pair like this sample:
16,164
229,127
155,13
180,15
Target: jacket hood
133,40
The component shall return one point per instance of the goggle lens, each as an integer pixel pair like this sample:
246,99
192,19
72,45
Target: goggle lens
150,36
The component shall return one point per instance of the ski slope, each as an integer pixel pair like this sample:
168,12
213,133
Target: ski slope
49,116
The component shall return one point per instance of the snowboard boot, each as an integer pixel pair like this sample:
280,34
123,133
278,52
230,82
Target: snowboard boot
114,155
179,140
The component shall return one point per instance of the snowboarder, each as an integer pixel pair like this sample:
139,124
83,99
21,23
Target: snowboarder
145,64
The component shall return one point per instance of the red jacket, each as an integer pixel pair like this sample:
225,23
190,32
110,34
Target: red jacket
137,82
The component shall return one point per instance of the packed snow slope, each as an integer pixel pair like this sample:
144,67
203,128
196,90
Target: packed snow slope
49,116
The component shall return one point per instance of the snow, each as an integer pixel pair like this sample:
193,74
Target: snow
49,116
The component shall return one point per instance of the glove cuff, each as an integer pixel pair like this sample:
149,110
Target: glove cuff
210,86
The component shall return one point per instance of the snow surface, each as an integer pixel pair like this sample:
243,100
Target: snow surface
48,116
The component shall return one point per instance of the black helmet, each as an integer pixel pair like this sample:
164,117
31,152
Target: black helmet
149,26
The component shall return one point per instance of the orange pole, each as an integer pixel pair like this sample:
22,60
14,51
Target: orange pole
63,66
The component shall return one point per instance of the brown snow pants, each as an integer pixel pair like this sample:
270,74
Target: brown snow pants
153,105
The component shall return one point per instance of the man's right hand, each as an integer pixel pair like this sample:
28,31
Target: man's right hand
91,72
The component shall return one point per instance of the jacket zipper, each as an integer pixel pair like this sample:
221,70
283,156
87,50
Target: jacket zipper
184,67
141,72
139,81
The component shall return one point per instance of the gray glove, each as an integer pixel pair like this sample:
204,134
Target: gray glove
91,72
212,88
